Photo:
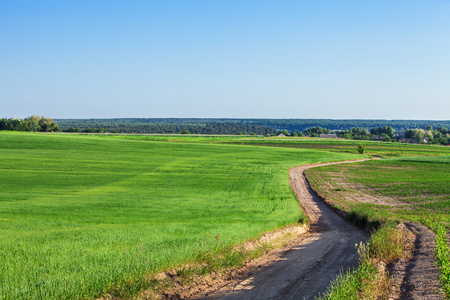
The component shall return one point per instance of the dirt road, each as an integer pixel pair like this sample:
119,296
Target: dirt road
306,270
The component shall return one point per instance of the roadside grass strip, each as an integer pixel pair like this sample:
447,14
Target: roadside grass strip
370,280
442,259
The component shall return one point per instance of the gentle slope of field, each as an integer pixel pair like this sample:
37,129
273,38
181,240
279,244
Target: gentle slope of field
412,188
81,215
385,149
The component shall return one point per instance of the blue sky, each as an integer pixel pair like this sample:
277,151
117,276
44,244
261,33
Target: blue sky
374,59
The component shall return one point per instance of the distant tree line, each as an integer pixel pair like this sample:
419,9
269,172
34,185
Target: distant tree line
302,125
429,135
395,130
164,128
440,135
290,125
32,123
385,133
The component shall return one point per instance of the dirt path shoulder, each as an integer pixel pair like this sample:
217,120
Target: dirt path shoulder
417,278
306,270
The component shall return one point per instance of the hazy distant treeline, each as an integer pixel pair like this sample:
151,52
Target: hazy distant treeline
387,130
205,125
167,128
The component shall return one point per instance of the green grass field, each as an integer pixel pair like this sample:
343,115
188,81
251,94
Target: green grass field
420,186
81,215
385,149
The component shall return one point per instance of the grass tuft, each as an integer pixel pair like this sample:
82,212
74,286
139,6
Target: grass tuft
442,259
370,280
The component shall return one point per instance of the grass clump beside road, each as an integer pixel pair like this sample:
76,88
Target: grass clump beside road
442,259
83,216
370,280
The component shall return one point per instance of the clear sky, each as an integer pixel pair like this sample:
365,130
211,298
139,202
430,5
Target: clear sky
374,59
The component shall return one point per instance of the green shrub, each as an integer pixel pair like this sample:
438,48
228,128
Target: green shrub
361,148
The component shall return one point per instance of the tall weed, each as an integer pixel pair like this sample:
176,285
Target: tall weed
368,281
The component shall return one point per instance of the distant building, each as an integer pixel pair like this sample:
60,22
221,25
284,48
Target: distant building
281,135
426,139
408,140
328,136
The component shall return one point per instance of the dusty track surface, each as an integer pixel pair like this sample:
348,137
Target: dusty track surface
417,278
307,269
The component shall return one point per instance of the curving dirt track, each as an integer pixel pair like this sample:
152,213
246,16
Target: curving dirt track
307,269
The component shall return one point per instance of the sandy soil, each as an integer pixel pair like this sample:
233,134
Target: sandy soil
306,270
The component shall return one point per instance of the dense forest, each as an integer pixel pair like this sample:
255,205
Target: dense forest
155,125
167,128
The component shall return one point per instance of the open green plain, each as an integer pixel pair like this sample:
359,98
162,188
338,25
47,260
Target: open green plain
385,149
420,186
81,215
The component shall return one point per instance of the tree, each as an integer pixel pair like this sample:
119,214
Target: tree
317,130
419,134
388,130
361,148
409,133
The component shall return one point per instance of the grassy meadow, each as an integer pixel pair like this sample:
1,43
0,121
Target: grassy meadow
82,215
419,185
376,148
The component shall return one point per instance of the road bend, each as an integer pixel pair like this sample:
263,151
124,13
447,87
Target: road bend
307,270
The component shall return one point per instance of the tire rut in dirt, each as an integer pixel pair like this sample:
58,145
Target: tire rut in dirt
421,273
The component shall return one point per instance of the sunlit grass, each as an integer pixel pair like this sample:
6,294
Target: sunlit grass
82,215
386,149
